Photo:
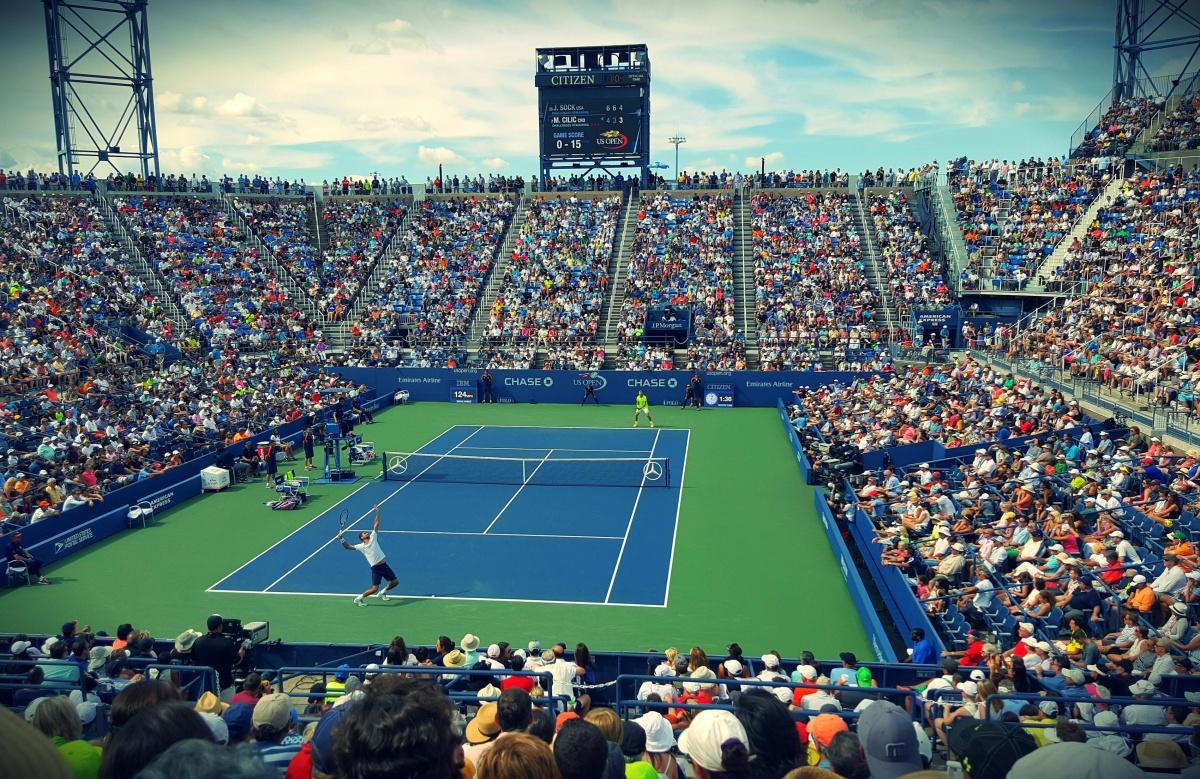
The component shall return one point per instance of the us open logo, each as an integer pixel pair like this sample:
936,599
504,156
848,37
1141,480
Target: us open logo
597,382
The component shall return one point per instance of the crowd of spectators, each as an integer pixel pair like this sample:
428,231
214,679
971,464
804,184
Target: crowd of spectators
494,183
914,276
397,185
811,291
1009,226
957,405
682,257
554,292
232,298
1181,128
430,284
94,709
1134,327
1119,127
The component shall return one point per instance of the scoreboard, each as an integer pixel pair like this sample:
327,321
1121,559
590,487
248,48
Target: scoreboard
594,111
585,122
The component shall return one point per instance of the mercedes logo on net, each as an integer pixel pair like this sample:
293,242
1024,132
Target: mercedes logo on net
652,471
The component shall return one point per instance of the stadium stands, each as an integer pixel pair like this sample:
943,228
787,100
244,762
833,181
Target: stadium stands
556,283
1012,223
1118,128
810,288
915,278
1181,128
682,256
1130,329
431,283
232,298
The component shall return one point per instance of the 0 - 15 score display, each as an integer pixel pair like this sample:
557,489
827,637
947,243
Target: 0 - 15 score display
606,120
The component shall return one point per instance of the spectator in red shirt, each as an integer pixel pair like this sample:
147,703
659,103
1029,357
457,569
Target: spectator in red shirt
526,683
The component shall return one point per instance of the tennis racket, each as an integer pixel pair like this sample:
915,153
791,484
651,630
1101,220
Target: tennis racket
343,518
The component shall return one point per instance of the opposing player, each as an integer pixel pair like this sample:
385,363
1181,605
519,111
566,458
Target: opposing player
380,570
641,405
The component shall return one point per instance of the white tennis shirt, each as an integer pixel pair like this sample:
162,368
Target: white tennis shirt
371,550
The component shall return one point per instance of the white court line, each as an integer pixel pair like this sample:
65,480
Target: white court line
318,516
557,449
577,427
427,596
494,535
629,524
355,522
675,532
524,484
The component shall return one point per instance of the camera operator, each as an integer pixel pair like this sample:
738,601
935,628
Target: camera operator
219,652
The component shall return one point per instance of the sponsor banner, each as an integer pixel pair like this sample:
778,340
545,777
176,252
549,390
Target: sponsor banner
743,388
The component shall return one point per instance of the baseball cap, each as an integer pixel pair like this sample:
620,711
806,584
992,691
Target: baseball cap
1074,674
888,740
712,729
770,661
732,667
323,758
824,727
968,688
1139,579
807,672
978,675
274,710
1141,687
239,718
988,750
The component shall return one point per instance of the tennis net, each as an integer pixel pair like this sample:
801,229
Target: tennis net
537,471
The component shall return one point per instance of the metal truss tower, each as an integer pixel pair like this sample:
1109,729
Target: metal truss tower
98,48
1145,26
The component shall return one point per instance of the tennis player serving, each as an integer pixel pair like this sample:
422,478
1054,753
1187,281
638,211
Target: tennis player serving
641,405
380,570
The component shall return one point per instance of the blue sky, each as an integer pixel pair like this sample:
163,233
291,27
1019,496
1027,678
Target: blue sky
311,89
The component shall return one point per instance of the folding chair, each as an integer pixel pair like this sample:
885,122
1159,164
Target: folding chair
140,514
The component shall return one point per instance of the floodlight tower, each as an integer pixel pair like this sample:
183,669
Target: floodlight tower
1150,26
677,139
96,48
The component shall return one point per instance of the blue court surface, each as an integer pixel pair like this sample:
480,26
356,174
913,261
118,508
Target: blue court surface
500,541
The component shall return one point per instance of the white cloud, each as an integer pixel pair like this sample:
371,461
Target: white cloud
495,163
396,28
185,158
198,104
242,104
770,157
253,140
167,101
439,155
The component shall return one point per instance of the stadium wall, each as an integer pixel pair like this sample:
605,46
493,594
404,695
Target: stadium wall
736,388
871,623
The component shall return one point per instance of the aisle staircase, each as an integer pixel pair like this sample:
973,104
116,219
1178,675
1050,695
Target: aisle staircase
495,277
887,314
1059,256
296,294
743,275
172,304
619,272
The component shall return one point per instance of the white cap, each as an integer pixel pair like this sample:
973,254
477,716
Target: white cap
969,688
978,675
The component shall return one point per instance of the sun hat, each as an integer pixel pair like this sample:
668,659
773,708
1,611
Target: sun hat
659,735
485,726
274,710
708,734
470,642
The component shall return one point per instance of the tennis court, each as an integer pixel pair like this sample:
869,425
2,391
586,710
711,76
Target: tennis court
484,512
